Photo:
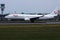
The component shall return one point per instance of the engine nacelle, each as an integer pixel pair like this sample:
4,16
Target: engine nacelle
27,19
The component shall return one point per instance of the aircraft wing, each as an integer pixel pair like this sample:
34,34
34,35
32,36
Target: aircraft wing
33,17
37,17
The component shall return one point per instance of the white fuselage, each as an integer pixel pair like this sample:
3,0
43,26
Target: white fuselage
22,16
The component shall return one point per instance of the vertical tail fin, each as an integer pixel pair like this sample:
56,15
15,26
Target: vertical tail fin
55,12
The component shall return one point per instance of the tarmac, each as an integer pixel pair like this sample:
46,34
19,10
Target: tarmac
13,23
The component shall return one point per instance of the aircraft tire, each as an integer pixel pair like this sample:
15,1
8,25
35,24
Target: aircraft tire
32,21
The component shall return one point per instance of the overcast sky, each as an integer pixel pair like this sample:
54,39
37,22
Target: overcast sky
28,6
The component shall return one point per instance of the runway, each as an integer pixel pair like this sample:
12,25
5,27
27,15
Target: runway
13,23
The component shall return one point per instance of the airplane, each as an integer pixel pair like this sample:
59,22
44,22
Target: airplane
25,17
30,17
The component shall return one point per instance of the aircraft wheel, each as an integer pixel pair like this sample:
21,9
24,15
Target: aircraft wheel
32,21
